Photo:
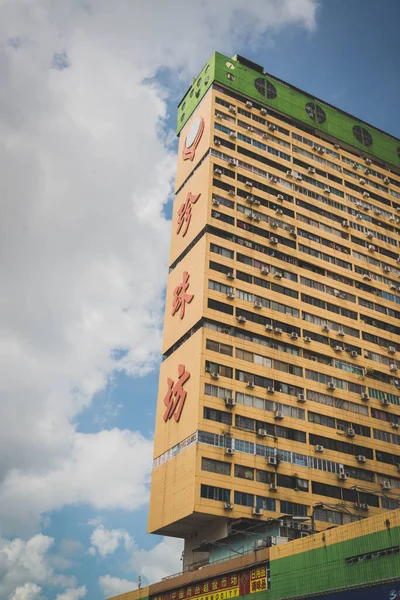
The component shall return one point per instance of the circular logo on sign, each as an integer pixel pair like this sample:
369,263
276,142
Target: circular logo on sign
193,138
393,595
193,131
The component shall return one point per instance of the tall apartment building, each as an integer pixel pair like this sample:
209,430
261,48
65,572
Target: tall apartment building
279,398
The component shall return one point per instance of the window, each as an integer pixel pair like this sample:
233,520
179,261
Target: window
244,422
264,476
293,509
266,503
265,88
244,499
362,135
217,415
216,391
219,347
215,466
222,370
315,112
244,472
214,493
222,251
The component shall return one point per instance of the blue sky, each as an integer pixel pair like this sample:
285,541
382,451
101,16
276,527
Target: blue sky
93,142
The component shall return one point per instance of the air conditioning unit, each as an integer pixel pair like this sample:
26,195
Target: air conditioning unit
299,176
250,385
218,115
249,104
321,150
342,476
232,162
337,147
263,111
364,396
217,142
257,304
278,275
386,269
231,192
225,331
271,126
341,332
270,390
319,448
386,180
279,212
230,402
230,275
338,348
313,358
249,199
370,235
256,217
354,354
278,415
385,402
331,386
362,181
274,224
311,170
371,247
230,295
262,432
269,328
256,201
280,197
386,485
272,486
217,171
361,459
366,195
301,398
293,335
229,451
393,368
363,506
241,319
350,432
257,512
272,460
367,277
325,328
273,179
345,223
354,165
307,339
289,173
395,425
368,161
215,202
250,128
327,190
232,135
214,375
273,241
393,287
265,136
278,331
358,215
228,506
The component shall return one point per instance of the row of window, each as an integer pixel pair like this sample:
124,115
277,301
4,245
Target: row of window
352,174
285,481
286,456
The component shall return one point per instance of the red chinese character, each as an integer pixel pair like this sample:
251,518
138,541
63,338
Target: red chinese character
176,395
181,298
185,212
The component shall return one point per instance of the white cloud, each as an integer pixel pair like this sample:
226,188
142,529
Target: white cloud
162,560
85,173
28,591
107,541
73,594
112,586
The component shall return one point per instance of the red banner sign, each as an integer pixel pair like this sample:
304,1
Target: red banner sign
224,587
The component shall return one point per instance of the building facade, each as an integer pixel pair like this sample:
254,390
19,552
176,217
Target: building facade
278,410
359,561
